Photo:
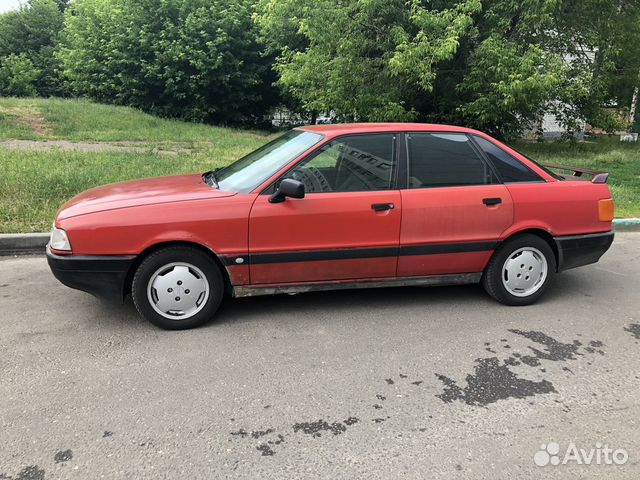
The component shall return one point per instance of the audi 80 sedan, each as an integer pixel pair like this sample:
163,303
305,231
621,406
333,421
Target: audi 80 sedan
329,207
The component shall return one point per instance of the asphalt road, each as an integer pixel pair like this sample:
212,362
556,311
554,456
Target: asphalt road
392,383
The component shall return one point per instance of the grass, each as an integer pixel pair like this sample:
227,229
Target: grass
34,183
82,120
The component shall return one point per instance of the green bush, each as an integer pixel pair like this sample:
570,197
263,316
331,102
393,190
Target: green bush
17,76
195,59
32,32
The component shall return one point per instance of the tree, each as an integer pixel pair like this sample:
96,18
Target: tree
197,59
364,59
496,65
17,76
32,32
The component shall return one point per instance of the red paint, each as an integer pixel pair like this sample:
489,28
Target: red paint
149,191
324,221
131,217
451,215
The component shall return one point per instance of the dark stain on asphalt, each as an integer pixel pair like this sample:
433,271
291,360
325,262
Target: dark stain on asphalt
633,329
416,383
262,433
316,428
381,397
389,381
403,375
32,472
2,286
265,450
556,351
63,456
107,433
379,420
512,362
492,380
377,406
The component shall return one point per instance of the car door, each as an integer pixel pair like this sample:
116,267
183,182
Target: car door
346,227
454,210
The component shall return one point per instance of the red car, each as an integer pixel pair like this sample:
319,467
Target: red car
334,206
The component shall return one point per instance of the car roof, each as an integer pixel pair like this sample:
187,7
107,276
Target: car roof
346,128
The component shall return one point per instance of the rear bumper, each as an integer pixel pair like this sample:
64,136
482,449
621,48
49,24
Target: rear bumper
104,276
577,250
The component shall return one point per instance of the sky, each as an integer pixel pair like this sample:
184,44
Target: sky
6,5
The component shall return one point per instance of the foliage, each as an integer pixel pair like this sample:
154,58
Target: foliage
196,59
361,58
32,32
17,76
497,65
509,87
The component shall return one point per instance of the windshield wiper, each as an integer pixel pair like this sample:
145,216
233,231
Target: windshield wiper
210,178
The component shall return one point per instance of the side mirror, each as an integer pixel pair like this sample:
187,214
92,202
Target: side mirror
287,188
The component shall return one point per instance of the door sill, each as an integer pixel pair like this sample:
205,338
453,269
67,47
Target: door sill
293,288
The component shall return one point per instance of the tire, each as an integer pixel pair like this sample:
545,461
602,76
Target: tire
177,288
512,276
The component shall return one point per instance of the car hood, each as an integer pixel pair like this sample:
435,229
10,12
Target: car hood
134,193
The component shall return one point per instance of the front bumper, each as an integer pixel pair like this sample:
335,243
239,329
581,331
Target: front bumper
577,250
104,276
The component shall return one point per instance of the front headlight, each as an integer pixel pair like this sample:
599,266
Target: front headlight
59,239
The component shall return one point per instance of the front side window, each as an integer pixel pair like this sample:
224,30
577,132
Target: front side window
445,160
254,169
349,164
509,168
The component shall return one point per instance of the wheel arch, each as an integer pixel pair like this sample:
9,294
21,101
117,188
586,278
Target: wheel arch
540,232
177,243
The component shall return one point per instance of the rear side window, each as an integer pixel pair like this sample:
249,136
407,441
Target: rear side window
445,160
509,168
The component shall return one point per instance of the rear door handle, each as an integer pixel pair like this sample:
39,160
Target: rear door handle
492,201
381,207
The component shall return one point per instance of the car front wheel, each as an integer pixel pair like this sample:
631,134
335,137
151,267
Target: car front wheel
520,270
177,288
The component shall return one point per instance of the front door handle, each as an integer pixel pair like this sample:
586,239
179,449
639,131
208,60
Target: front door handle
491,201
381,207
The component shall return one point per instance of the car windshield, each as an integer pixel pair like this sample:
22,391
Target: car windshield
250,171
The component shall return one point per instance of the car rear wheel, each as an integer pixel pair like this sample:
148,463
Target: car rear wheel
520,270
177,288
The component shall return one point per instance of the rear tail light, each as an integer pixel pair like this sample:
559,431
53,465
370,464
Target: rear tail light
605,210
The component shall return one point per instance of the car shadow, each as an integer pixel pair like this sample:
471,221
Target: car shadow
348,302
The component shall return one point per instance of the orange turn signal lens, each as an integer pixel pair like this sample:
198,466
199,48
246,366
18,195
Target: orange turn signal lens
605,210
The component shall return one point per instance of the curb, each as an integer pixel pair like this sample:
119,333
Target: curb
627,224
35,243
23,243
